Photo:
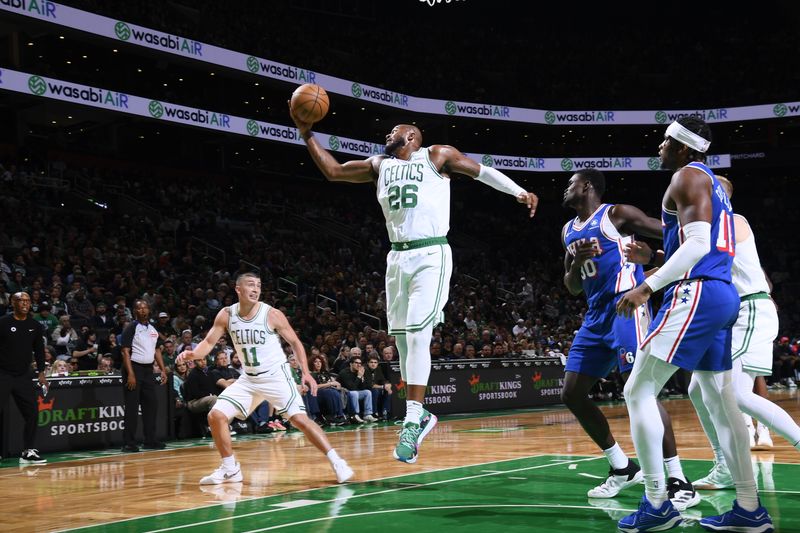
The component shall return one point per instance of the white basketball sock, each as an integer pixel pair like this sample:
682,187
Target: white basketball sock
333,457
229,463
413,412
674,468
616,457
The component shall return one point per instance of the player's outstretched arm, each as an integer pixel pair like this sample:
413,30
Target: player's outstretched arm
213,335
633,221
450,159
364,171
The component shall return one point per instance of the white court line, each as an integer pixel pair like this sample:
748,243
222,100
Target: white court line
442,507
387,491
584,474
294,504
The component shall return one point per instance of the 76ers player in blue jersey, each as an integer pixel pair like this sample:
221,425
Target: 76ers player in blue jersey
595,264
692,330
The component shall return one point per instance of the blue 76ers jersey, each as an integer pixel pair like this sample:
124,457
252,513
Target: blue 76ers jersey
717,263
608,274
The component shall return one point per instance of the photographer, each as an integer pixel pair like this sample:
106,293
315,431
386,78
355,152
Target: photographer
86,351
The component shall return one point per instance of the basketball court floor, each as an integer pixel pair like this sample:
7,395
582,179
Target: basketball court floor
499,471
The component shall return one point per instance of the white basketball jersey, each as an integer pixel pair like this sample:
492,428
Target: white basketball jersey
414,197
259,347
746,273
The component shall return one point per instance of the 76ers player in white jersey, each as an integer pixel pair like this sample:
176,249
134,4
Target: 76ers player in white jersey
413,189
692,330
255,328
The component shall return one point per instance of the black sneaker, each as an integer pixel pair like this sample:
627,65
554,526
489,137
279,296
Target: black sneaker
130,448
158,445
339,421
681,494
31,457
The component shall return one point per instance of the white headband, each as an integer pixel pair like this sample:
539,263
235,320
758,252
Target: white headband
689,138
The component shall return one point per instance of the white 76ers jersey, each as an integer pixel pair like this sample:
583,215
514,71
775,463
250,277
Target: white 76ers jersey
259,347
414,197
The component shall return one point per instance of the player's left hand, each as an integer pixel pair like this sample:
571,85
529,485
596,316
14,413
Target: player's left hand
638,252
632,299
529,199
309,382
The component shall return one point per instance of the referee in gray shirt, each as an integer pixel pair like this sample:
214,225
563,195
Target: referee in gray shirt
141,345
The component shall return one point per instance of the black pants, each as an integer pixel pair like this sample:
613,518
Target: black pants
145,395
24,392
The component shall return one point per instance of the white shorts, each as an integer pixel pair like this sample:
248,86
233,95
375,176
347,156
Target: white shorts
753,335
417,287
275,386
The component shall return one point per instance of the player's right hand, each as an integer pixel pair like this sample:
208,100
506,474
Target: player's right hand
303,127
131,385
530,200
583,251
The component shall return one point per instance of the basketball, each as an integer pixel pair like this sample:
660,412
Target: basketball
310,102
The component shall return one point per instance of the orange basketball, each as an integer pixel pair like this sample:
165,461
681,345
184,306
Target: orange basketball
310,102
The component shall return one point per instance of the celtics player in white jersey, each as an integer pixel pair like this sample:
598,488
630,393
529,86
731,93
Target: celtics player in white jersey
751,350
255,328
413,189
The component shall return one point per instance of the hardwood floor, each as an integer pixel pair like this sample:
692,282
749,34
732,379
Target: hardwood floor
63,495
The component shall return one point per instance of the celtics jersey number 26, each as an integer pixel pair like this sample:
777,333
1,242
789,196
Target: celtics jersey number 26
259,347
414,197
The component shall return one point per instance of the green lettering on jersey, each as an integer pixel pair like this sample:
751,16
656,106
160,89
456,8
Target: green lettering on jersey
253,359
405,197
